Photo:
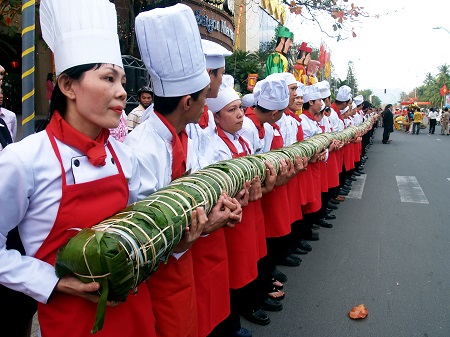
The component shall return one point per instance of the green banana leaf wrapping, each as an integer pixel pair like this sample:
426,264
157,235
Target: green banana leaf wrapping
124,250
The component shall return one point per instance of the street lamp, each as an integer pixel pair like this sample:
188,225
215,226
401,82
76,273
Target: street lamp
442,28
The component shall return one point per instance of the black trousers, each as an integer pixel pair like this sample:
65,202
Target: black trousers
386,133
16,309
432,125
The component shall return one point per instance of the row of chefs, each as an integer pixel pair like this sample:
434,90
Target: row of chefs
81,173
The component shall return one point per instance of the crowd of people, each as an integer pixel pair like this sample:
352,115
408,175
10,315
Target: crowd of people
92,161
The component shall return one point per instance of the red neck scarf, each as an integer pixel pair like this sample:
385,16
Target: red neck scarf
277,141
338,112
291,113
94,149
204,119
250,114
179,148
234,151
300,135
307,114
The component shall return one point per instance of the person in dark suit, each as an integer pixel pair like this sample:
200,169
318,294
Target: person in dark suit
388,123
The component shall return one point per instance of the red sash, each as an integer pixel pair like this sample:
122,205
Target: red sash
250,114
204,119
234,151
277,141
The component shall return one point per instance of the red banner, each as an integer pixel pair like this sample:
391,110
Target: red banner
443,90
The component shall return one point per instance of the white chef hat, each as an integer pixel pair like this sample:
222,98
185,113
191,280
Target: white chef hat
80,32
300,89
169,42
353,105
358,100
214,54
323,106
290,79
311,93
248,100
344,93
344,110
226,95
324,88
272,93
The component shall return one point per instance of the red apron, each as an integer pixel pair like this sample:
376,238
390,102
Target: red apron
333,169
295,199
211,280
241,240
84,205
242,248
260,228
348,157
316,204
323,176
172,286
275,204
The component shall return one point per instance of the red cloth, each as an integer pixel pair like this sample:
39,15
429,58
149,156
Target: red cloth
333,169
94,149
234,151
277,141
314,206
212,286
250,114
87,204
299,135
204,119
179,148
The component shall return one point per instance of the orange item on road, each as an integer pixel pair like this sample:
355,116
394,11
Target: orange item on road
358,312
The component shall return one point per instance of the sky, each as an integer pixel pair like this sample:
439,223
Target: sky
395,51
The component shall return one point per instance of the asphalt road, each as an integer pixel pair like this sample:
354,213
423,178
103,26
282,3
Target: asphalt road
392,256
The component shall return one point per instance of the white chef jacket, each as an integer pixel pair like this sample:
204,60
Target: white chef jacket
249,132
311,128
203,139
152,143
336,123
325,122
11,122
221,149
30,195
288,127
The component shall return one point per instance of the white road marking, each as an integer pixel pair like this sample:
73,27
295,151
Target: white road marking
410,190
357,187
448,179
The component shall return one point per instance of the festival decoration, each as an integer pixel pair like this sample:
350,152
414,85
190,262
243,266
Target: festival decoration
277,62
303,58
313,68
251,81
124,250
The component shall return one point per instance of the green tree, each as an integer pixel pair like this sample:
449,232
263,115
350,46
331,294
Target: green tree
366,94
351,78
376,101
242,63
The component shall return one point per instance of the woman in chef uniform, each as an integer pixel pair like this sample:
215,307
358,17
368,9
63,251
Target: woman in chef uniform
72,175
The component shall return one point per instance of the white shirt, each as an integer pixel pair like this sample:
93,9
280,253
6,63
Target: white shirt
222,151
250,132
203,139
30,196
152,143
432,115
336,123
288,127
325,122
310,127
11,122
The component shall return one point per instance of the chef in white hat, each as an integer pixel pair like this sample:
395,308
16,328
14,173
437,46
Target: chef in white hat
311,107
202,132
181,84
72,175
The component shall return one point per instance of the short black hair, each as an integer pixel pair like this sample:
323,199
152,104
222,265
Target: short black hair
166,105
306,105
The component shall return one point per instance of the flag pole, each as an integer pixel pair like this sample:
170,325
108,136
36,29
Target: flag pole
28,49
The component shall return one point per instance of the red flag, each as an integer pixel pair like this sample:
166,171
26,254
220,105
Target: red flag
443,90
322,55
